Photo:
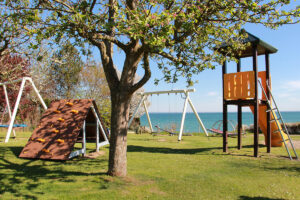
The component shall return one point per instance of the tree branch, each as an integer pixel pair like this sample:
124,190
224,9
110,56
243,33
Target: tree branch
171,58
146,76
4,47
92,6
108,66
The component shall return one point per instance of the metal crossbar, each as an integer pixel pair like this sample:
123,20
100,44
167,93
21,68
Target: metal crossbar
271,109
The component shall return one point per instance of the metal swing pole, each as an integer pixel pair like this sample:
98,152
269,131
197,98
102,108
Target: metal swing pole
148,116
8,106
146,110
183,116
15,111
37,92
197,116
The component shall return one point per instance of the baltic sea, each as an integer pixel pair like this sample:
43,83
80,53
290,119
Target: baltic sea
191,125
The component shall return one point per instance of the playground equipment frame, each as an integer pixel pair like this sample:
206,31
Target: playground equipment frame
12,115
187,98
98,144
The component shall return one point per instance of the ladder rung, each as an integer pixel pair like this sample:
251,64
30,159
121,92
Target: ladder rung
285,140
273,120
276,131
271,109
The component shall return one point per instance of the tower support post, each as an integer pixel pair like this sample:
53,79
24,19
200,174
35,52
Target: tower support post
256,102
225,106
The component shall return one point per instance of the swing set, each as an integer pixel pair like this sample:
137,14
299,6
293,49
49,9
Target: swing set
187,99
12,115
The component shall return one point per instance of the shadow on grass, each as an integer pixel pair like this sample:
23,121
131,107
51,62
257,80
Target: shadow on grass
257,198
166,150
27,175
134,148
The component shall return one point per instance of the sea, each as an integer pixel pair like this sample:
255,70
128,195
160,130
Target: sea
171,121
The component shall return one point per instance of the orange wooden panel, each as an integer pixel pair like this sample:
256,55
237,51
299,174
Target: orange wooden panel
239,85
226,87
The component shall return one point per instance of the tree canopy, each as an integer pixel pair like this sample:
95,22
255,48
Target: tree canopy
182,34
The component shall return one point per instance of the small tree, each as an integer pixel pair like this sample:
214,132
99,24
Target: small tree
40,62
14,67
93,85
64,71
180,36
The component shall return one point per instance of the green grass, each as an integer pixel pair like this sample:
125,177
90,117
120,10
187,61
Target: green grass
159,167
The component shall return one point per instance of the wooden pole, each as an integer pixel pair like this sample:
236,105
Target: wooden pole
269,97
256,103
239,113
225,136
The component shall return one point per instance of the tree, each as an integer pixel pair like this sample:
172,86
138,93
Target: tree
181,36
40,62
14,67
13,37
64,71
93,85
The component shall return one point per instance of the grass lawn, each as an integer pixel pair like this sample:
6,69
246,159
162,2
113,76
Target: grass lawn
159,167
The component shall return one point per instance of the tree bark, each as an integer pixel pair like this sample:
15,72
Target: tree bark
121,90
120,102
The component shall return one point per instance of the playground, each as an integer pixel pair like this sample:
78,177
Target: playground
55,160
195,168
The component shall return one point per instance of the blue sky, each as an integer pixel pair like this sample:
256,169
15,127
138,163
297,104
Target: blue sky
285,75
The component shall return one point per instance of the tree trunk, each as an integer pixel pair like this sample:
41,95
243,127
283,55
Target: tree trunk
120,102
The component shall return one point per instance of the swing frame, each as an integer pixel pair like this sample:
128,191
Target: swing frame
187,100
12,115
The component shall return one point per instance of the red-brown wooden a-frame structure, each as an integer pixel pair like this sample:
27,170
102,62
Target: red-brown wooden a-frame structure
241,89
63,124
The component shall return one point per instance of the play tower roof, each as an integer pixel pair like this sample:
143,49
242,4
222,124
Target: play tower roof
262,47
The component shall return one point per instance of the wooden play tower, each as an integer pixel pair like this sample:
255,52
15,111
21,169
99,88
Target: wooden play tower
242,89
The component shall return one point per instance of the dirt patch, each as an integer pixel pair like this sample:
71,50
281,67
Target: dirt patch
296,144
161,140
134,181
155,190
94,155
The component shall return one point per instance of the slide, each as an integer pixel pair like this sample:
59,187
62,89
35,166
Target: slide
276,140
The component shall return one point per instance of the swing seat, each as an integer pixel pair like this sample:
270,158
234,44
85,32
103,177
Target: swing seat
218,131
171,133
14,126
